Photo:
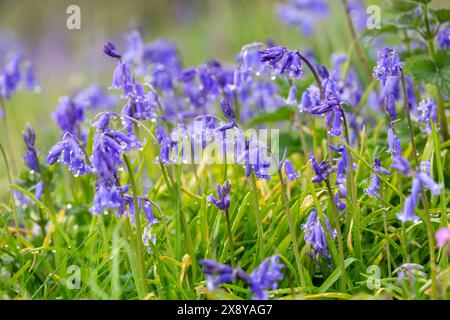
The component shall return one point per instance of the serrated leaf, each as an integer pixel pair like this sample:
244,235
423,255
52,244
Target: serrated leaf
407,20
436,71
385,28
400,5
283,113
441,15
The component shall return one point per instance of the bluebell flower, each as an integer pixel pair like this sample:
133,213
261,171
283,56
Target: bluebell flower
30,156
389,103
266,276
122,78
303,14
399,163
283,60
443,38
321,170
410,270
421,179
223,193
375,186
288,170
428,113
70,153
316,237
393,87
69,115
22,199
218,273
108,196
310,98
257,159
388,65
94,97
110,50
10,76
165,145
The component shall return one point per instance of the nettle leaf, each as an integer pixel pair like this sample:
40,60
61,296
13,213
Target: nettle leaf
436,71
385,28
408,20
441,15
400,5
281,114
421,1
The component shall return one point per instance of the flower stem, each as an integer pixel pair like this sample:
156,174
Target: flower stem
292,230
351,180
230,237
7,137
13,205
315,74
359,52
339,235
258,219
141,281
422,192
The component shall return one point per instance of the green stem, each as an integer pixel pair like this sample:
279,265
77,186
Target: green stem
230,237
354,203
7,137
13,204
386,233
259,228
292,230
141,279
335,214
359,51
422,192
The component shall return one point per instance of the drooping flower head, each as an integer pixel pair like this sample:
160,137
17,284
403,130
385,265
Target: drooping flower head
289,170
315,235
284,60
374,187
110,50
422,179
443,38
70,153
388,65
410,270
428,112
30,156
389,103
223,194
69,115
266,276
322,170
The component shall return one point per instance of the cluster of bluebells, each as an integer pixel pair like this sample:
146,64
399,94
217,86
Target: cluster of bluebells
315,235
421,180
375,186
264,277
223,192
303,14
17,71
388,65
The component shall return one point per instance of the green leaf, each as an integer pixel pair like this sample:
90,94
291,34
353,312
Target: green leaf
385,28
436,71
283,113
400,5
441,15
335,276
408,20
421,1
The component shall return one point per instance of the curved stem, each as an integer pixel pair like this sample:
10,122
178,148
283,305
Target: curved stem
339,235
359,52
230,237
258,218
141,282
315,74
423,196
292,230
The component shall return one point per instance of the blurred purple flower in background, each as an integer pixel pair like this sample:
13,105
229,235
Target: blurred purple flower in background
375,186
303,14
443,38
428,113
30,156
